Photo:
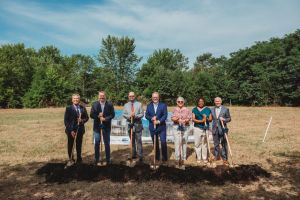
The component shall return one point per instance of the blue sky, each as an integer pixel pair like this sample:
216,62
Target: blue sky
193,26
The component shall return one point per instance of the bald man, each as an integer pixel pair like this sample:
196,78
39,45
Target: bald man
133,112
220,113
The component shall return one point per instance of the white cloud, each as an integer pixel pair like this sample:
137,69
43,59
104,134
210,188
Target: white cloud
194,27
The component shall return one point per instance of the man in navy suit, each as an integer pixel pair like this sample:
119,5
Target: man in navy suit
157,114
74,120
102,112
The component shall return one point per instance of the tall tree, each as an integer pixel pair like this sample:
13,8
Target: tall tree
82,79
163,73
118,56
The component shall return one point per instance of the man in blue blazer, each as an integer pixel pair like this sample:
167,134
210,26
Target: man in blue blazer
157,114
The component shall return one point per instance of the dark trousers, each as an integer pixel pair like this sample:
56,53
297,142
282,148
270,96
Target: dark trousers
220,140
78,144
137,146
162,136
106,139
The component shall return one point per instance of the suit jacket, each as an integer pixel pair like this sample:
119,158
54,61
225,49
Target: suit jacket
108,114
161,115
71,117
216,124
138,114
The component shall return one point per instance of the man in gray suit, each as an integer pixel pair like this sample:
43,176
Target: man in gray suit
133,112
220,112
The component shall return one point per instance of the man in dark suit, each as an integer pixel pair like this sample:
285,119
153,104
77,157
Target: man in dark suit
102,112
75,118
157,114
220,113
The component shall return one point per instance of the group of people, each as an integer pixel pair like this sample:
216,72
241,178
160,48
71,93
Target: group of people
102,112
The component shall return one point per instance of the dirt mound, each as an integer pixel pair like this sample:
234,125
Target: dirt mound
55,172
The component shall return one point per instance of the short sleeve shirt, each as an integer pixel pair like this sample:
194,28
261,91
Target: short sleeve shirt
198,115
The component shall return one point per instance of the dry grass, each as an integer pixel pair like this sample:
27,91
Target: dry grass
37,135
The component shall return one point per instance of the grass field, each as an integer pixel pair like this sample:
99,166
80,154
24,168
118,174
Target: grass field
32,139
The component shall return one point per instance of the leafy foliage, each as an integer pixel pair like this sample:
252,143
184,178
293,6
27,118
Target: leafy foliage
267,73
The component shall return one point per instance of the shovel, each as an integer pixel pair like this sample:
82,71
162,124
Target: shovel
181,165
101,163
131,162
154,166
225,130
71,162
210,157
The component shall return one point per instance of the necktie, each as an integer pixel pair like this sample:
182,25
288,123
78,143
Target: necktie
132,107
218,111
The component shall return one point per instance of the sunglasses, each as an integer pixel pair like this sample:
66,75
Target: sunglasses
179,101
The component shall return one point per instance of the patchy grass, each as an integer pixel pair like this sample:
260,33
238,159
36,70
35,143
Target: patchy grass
32,139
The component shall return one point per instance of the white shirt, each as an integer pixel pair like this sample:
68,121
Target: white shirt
218,110
102,105
155,107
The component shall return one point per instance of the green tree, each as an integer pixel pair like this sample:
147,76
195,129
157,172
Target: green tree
82,75
51,84
117,56
163,72
16,71
267,72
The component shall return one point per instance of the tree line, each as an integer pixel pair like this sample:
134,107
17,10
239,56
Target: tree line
267,73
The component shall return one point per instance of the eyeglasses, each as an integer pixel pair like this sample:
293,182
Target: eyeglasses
179,101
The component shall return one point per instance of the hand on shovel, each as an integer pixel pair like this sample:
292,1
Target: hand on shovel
73,134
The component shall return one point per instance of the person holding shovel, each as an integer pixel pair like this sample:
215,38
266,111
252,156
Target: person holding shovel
74,119
220,113
201,114
181,118
133,113
157,114
102,112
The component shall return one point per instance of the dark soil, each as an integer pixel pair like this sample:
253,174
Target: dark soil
55,172
118,181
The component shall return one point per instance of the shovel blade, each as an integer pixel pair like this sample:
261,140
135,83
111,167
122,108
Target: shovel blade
154,167
69,164
212,165
130,163
102,163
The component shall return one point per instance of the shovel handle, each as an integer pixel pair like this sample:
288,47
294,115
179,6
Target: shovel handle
228,143
154,160
154,157
207,140
131,135
101,142
74,142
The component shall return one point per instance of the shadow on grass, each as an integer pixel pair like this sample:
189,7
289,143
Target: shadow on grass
55,172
